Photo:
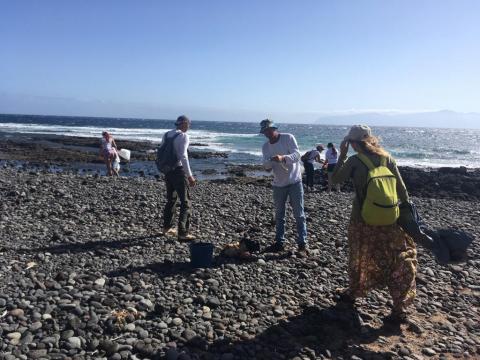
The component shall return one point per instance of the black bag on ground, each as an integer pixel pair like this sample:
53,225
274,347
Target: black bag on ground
454,242
167,158
447,245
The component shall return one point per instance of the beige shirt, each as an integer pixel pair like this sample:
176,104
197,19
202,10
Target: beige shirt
355,169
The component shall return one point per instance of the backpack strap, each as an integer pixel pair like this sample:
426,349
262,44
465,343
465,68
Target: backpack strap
175,136
366,161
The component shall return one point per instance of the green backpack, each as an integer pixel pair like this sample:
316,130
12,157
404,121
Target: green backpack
380,206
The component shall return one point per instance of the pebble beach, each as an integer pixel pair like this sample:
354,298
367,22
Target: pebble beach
87,274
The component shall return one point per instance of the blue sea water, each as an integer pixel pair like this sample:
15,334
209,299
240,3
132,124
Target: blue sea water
421,147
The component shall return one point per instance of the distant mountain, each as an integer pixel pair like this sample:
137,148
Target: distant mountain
44,105
443,118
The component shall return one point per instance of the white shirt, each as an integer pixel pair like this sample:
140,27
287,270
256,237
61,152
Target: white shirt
289,171
331,157
106,145
180,144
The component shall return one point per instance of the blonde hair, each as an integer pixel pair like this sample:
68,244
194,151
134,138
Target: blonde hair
371,145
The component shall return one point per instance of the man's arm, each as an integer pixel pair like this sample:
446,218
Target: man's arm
293,155
182,143
267,163
319,159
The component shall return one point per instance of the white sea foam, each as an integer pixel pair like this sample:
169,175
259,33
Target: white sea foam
119,133
247,146
212,139
434,163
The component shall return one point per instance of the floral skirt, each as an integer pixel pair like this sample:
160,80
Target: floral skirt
382,256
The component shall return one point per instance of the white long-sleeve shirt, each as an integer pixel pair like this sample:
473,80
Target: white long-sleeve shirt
286,173
331,157
180,144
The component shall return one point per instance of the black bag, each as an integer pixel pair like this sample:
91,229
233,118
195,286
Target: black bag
167,158
305,156
447,245
413,225
452,242
250,245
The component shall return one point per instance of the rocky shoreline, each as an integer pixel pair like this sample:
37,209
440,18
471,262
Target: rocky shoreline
86,274
79,155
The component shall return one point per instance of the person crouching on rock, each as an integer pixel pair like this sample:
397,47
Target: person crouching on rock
309,159
281,154
379,255
108,150
178,182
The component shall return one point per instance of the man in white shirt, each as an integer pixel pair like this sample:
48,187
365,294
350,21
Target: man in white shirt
281,154
178,182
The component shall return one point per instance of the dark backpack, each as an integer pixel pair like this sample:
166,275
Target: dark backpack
166,156
305,156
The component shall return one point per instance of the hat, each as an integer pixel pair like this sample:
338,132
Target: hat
182,119
266,124
358,133
320,146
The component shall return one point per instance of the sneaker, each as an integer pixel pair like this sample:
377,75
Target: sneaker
186,237
275,247
170,232
302,247
302,250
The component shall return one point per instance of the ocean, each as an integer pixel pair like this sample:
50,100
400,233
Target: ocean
411,146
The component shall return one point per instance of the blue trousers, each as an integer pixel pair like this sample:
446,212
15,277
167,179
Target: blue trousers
294,192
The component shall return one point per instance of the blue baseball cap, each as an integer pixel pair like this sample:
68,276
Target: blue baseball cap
267,124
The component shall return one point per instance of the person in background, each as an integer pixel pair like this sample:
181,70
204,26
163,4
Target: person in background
331,157
309,159
379,256
281,155
108,150
178,183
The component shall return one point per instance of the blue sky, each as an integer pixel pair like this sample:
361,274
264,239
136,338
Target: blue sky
243,57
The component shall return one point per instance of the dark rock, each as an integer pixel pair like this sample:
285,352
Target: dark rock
109,346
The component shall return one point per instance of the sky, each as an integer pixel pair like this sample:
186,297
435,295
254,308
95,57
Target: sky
238,59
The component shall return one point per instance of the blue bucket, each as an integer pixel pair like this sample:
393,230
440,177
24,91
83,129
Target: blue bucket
201,254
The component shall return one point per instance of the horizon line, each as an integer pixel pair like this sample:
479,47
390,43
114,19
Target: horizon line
232,121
